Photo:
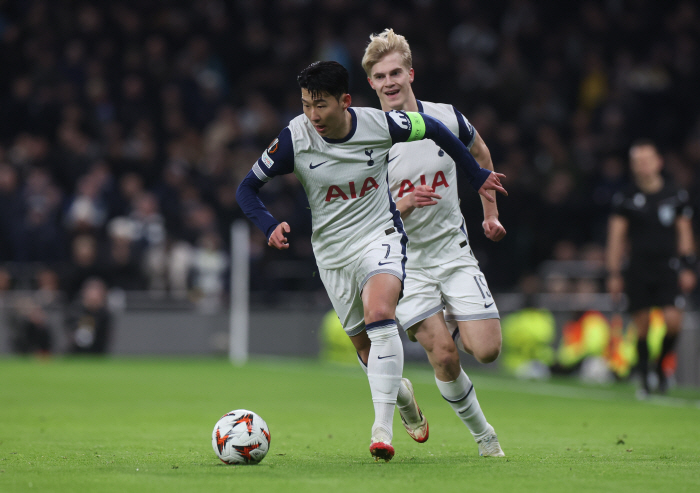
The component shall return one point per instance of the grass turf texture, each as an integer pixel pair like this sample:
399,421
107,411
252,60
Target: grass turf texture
145,425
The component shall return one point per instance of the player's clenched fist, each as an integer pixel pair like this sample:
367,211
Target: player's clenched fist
277,238
493,229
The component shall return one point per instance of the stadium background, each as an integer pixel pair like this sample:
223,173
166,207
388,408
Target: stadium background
126,127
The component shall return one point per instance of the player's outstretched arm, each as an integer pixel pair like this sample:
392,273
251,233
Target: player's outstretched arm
422,196
409,126
492,182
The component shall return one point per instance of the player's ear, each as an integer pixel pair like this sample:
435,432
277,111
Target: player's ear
346,101
411,75
371,84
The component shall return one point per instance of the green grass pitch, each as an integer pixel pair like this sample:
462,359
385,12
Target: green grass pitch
132,425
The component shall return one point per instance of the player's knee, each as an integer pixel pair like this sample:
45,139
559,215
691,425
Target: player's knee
447,360
379,312
489,353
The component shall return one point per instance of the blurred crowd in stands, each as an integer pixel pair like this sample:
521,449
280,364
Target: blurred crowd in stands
126,126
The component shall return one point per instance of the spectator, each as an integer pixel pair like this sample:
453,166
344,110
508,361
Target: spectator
84,264
209,267
31,332
88,322
153,91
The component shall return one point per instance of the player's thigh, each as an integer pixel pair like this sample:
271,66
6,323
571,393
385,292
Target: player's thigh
380,295
344,294
482,337
433,335
421,298
465,291
380,273
437,341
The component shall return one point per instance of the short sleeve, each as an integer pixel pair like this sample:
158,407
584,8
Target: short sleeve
467,132
278,158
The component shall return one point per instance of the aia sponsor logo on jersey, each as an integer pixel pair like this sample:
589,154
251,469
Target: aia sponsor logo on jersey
350,192
439,180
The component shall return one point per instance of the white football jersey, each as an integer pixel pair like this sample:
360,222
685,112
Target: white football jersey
346,184
437,234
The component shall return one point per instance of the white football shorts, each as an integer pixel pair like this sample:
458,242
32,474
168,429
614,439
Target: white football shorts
386,255
458,287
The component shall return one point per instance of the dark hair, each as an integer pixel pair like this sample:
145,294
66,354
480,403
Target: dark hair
328,77
644,142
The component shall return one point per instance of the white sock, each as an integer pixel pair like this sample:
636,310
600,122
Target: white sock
384,369
403,399
461,395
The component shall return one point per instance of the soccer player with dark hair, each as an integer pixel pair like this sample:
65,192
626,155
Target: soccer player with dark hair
654,218
340,155
443,279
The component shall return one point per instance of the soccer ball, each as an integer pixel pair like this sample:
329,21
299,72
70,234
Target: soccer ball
241,437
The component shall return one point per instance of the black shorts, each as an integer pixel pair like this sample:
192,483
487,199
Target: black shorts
651,284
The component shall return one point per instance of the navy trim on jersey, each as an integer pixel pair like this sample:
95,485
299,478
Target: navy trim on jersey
420,106
461,398
278,162
464,230
398,224
277,159
442,136
252,206
348,136
467,133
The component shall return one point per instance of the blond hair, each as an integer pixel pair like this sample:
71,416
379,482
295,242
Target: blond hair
384,44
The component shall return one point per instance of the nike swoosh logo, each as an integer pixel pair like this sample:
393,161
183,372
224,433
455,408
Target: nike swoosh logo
383,357
390,160
486,305
385,263
311,166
